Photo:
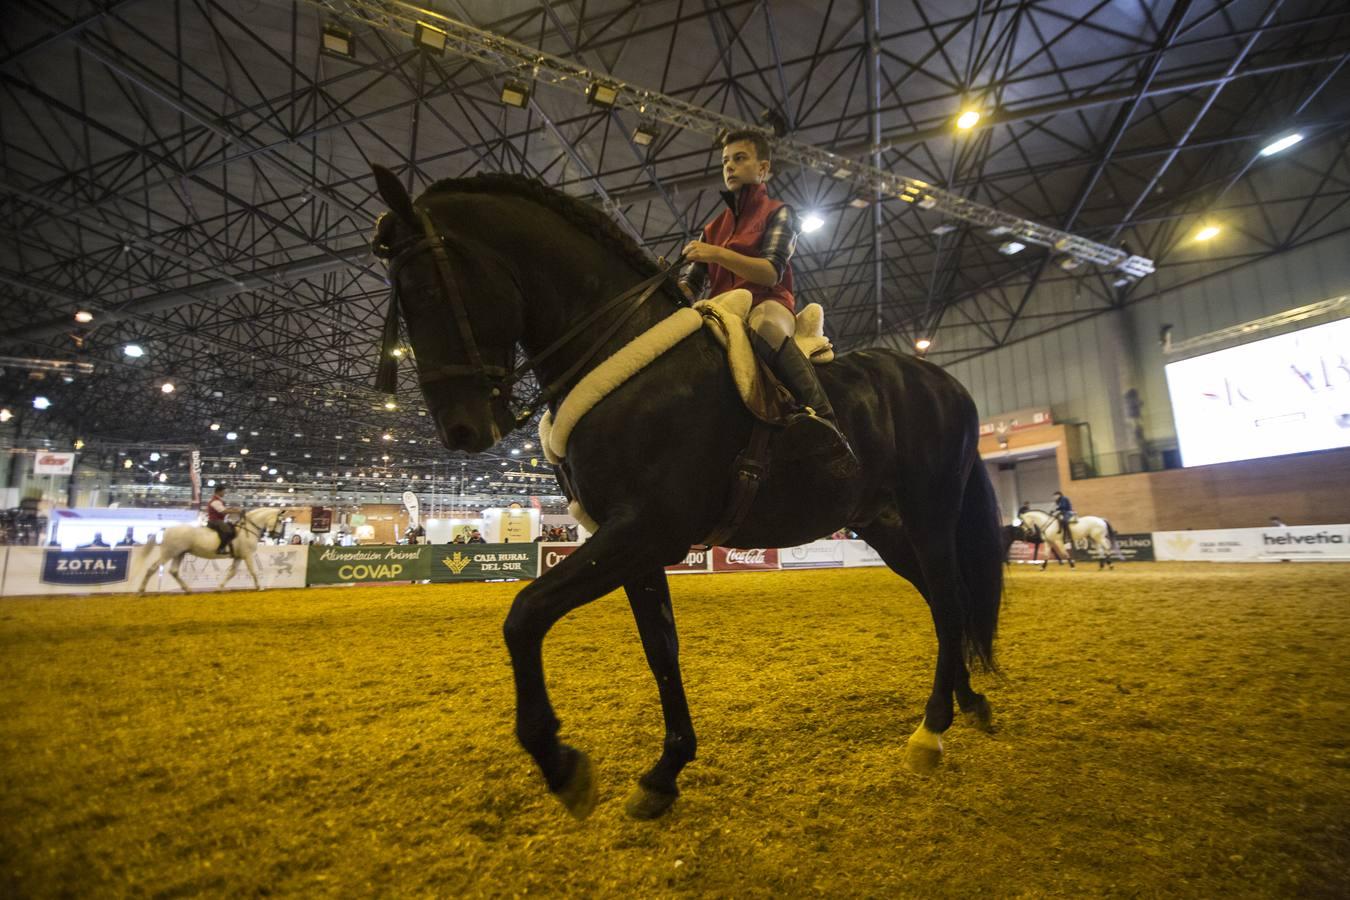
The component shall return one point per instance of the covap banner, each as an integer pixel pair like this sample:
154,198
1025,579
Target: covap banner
373,562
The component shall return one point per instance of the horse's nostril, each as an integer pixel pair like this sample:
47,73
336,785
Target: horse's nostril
461,436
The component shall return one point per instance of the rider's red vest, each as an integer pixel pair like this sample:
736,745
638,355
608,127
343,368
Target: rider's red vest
742,231
212,515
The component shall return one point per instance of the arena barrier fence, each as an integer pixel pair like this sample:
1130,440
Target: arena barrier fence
52,571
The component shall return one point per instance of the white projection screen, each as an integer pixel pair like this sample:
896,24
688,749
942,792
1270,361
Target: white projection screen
1284,394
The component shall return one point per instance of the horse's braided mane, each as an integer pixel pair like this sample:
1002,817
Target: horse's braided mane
590,220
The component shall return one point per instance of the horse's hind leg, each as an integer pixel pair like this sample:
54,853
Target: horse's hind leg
150,569
649,596
923,752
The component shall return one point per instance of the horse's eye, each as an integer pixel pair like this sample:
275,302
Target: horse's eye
381,243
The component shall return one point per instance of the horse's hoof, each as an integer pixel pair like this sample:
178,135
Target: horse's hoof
923,752
980,716
579,792
646,804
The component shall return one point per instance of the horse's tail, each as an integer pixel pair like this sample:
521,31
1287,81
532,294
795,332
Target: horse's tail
980,546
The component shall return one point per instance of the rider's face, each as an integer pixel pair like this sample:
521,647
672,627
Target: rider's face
742,166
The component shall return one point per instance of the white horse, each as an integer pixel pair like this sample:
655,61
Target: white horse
1095,531
199,540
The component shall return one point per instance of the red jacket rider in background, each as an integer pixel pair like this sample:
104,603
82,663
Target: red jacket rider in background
216,521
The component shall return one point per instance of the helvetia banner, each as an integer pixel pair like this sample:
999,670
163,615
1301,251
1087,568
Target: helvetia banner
374,562
479,562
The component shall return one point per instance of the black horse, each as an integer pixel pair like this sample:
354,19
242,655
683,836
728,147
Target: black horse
484,264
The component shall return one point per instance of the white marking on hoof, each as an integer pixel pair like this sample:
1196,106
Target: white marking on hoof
923,751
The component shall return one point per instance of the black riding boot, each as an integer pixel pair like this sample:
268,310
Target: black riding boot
815,427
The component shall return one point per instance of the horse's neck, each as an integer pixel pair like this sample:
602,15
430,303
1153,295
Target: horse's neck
549,318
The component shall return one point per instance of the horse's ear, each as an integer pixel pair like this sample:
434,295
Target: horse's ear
393,192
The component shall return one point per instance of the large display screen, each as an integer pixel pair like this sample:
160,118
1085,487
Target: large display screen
1284,394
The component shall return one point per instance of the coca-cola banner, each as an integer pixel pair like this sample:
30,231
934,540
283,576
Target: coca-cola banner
728,559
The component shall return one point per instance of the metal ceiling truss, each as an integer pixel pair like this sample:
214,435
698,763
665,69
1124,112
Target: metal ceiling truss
197,175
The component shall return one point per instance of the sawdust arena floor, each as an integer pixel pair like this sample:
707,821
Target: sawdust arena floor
1162,730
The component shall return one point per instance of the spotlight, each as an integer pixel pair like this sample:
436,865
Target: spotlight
944,228
601,95
133,350
645,134
1207,232
396,352
1011,247
154,457
337,41
515,93
41,403
430,38
243,451
1069,263
922,344
811,223
215,426
841,173
231,435
1283,143
5,415
858,201
967,119
163,478
84,316
390,404
167,387
126,464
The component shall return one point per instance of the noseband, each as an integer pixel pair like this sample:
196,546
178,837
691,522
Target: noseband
498,379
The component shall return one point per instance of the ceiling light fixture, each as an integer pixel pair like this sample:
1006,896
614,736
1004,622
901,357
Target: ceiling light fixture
811,223
337,41
133,350
967,119
1283,143
1207,232
922,344
84,316
430,38
646,134
516,93
602,95
167,387
1011,247
41,403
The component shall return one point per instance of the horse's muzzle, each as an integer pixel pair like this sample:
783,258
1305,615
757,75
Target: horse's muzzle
457,434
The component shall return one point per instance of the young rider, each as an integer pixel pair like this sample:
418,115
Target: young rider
1064,512
216,520
750,245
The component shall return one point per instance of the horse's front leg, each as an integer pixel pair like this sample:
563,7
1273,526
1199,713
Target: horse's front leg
252,570
649,596
173,570
602,564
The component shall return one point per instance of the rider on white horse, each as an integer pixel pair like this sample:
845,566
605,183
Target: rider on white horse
1064,512
216,520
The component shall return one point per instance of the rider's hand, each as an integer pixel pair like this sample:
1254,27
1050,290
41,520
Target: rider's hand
698,251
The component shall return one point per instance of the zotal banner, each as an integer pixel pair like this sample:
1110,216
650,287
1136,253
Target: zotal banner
479,562
42,570
373,562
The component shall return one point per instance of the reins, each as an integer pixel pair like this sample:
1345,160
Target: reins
501,379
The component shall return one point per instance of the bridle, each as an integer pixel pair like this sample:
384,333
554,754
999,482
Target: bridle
499,380
245,523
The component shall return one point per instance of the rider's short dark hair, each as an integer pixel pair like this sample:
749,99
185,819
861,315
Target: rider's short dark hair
760,142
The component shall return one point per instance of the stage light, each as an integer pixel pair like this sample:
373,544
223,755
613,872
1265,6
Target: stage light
210,482
1011,247
645,134
515,93
215,426
84,316
133,350
163,478
167,387
922,344
430,38
945,228
1283,143
841,173
337,42
602,95
967,119
811,223
387,436
243,451
253,433
79,444
126,464
390,404
41,403
1069,263
231,435
858,201
5,415
1207,232
396,352
154,457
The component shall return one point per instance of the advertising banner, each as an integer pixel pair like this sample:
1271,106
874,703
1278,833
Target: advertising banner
860,553
552,554
372,562
320,519
46,462
815,555
726,559
1300,542
48,570
479,562
278,567
696,561
1136,547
